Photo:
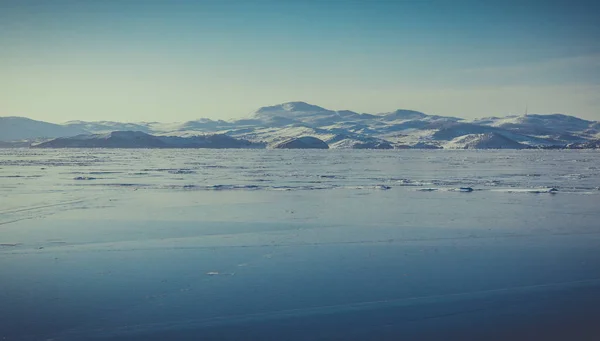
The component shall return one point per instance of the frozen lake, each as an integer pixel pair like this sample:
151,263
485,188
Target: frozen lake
299,245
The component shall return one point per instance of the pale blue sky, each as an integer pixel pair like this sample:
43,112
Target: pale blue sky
177,60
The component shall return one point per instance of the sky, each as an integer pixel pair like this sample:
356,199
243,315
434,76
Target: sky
179,60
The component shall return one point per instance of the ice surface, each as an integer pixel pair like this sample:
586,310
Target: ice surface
297,245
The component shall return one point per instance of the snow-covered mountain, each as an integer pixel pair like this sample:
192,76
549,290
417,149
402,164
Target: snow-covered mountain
274,125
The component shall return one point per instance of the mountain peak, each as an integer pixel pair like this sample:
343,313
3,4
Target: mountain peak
292,107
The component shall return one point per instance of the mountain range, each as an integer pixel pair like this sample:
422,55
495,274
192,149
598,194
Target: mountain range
289,124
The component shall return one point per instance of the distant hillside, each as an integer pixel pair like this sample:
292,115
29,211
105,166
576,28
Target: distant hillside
304,142
138,139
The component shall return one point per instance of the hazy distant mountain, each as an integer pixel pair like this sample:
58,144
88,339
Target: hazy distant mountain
14,144
21,128
99,127
274,125
402,115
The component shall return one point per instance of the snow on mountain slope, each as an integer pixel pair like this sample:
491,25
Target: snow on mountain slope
20,128
200,125
409,136
454,130
484,141
534,124
350,143
312,115
273,136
